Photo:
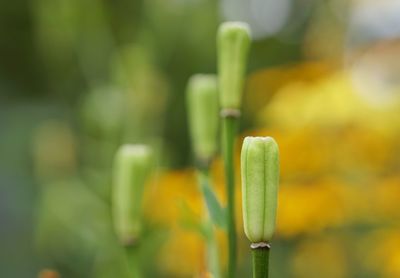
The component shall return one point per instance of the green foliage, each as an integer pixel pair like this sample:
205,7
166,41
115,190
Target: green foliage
216,211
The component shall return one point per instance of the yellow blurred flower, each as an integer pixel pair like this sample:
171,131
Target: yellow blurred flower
176,194
183,254
379,252
338,153
264,84
320,257
385,200
169,191
310,208
339,167
331,101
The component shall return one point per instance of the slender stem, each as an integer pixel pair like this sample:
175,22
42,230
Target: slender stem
132,261
260,261
212,248
229,125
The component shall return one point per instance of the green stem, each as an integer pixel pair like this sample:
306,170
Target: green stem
260,261
132,261
212,248
229,125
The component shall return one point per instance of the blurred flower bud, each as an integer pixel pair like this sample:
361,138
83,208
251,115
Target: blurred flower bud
233,42
260,179
132,168
202,106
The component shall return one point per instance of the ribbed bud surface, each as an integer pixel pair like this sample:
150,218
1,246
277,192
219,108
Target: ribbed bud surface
233,42
260,180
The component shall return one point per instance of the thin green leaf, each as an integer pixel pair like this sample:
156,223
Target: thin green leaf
216,211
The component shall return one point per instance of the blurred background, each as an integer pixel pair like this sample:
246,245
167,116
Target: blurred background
80,77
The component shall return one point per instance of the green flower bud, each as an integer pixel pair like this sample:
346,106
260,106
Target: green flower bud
132,168
260,179
233,45
202,106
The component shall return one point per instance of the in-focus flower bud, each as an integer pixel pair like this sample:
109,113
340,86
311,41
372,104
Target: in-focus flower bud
260,180
233,42
132,168
202,106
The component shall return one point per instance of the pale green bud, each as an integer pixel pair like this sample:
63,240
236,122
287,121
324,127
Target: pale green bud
132,168
233,42
202,106
260,180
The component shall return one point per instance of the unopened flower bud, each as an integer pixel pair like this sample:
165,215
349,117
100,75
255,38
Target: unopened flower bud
202,106
233,42
260,180
132,168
